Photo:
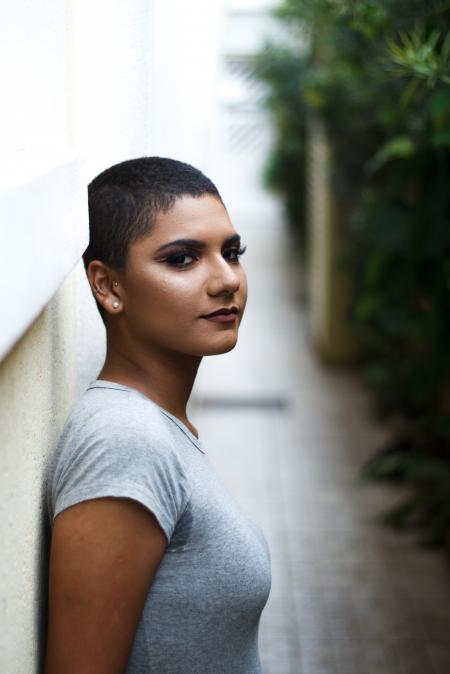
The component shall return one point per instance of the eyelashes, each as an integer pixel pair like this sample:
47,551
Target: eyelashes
173,259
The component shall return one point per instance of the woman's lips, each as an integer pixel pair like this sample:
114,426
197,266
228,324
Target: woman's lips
222,318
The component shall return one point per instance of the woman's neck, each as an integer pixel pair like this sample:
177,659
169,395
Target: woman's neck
167,379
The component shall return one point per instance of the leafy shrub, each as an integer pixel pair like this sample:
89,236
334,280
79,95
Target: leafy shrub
378,74
282,69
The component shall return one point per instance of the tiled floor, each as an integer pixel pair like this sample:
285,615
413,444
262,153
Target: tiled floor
348,596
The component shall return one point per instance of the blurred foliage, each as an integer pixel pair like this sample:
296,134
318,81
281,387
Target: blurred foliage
427,507
378,74
283,70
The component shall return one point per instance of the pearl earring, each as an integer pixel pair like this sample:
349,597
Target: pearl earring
115,304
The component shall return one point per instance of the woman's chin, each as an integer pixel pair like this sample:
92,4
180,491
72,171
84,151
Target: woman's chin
221,346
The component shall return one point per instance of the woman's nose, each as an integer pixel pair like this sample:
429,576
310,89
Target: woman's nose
224,278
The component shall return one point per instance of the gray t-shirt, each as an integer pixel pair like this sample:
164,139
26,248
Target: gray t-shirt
202,613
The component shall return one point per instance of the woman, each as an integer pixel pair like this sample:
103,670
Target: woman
153,566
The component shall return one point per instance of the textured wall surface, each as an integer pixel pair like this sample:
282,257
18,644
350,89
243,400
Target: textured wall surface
36,392
77,86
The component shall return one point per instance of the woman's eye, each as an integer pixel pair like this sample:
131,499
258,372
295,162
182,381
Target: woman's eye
176,260
238,252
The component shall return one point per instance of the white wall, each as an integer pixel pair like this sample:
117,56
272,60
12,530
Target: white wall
241,134
36,392
75,99
41,175
185,43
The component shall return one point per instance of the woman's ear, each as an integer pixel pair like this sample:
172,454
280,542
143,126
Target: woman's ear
104,287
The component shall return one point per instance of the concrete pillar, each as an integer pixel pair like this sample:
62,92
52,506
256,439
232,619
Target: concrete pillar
328,281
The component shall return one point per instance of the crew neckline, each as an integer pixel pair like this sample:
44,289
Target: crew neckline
105,383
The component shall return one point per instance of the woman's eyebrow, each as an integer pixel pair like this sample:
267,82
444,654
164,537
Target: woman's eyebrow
195,243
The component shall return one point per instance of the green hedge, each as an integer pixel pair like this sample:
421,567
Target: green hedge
378,73
283,70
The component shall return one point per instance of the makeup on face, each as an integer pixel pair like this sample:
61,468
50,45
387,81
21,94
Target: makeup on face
190,248
186,289
221,318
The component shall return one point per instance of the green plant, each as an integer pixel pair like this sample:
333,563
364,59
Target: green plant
378,74
282,69
427,507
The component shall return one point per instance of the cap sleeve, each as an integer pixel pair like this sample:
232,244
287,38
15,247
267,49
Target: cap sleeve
109,456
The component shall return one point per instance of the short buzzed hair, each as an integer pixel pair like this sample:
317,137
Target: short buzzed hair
124,201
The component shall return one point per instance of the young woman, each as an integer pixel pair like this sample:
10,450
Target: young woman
154,569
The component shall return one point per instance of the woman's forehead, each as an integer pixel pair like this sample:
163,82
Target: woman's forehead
203,218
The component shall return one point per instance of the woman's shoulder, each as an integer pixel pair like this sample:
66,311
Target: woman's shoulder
115,422
100,407
111,427
115,445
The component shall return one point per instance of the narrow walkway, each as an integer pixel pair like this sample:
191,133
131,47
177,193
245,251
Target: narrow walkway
348,596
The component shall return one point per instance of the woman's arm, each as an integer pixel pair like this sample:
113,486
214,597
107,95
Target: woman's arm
104,555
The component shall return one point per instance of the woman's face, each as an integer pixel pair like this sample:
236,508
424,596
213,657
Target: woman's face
167,289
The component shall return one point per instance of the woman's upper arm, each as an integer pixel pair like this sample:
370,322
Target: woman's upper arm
104,555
